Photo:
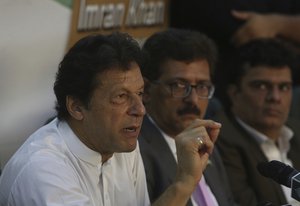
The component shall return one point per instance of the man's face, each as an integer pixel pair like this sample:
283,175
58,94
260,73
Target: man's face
263,97
113,119
174,114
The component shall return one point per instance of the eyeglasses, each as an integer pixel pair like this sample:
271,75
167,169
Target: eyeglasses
181,89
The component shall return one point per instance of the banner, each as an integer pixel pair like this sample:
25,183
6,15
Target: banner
139,18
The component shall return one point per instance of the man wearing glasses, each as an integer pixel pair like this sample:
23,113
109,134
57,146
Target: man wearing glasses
177,75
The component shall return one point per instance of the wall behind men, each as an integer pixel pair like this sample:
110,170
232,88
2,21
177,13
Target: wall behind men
33,38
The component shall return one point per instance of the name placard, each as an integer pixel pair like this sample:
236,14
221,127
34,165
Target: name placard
139,18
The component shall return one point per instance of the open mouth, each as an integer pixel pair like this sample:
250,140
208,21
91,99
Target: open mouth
130,129
131,132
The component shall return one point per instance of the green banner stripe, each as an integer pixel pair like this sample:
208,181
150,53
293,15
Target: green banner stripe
67,3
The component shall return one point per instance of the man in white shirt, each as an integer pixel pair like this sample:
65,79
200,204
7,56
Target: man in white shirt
256,127
89,155
178,88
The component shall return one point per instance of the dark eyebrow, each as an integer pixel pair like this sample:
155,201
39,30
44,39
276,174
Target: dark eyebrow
290,82
177,79
269,82
186,81
260,82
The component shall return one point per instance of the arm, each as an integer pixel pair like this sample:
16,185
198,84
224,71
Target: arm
266,26
191,161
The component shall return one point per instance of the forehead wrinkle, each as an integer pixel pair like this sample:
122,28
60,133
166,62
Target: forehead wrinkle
119,79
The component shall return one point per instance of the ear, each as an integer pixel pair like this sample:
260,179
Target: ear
74,107
232,91
146,96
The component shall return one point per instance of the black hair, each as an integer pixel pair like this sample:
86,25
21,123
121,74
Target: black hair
176,44
268,52
90,56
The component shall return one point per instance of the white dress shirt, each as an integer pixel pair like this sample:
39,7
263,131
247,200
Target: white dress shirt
53,167
274,151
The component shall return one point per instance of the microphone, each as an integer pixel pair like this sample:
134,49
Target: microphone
282,174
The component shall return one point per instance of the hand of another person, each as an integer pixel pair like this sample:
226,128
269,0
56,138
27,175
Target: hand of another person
256,26
193,154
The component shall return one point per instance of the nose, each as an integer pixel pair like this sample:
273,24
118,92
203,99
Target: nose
137,108
192,97
274,94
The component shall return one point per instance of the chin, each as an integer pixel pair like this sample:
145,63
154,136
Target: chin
275,124
130,148
271,124
274,121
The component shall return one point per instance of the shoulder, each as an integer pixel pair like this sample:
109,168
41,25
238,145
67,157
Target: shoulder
42,153
31,176
150,136
230,131
294,124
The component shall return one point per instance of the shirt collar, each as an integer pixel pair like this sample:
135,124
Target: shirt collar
286,134
78,148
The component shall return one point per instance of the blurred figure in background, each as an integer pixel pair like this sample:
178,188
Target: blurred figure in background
255,124
231,23
262,25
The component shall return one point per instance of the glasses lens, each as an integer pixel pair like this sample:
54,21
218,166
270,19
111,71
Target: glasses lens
205,90
183,89
179,89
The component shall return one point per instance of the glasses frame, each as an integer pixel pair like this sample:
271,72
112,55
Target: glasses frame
188,89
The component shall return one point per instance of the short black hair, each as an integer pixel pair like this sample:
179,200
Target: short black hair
260,52
268,52
177,44
90,56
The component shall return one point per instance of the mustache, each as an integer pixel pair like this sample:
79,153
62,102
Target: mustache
189,109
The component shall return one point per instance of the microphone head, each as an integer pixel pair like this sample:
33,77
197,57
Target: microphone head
277,171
